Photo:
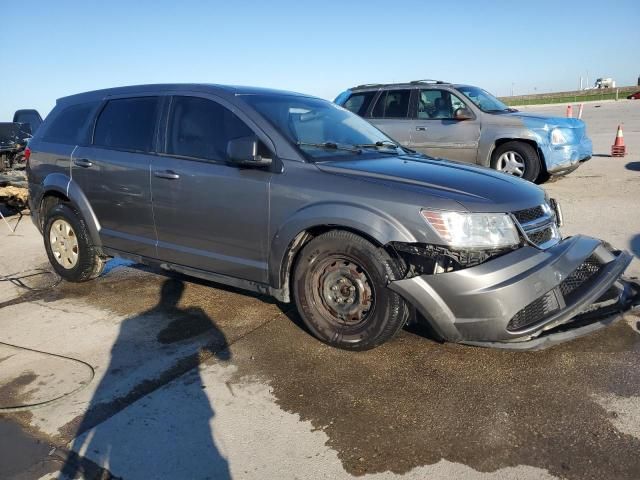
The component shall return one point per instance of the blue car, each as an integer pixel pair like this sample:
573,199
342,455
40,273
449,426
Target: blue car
468,124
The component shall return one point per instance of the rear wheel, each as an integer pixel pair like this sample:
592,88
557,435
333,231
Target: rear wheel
68,245
341,294
518,159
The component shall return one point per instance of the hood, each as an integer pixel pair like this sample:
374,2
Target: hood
539,121
477,189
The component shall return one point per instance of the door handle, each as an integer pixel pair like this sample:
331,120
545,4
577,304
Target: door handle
421,129
167,174
82,162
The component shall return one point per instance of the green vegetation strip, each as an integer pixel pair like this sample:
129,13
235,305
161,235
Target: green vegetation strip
570,97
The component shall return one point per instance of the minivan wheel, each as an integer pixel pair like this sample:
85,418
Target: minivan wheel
340,291
68,245
517,158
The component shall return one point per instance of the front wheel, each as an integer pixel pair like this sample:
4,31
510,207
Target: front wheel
518,159
340,290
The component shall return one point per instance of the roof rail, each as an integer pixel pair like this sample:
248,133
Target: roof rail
429,80
369,85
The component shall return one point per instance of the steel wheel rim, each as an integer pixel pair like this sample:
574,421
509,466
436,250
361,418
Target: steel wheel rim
512,163
343,292
64,243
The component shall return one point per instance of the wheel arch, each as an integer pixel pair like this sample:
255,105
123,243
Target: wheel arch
295,234
58,187
530,141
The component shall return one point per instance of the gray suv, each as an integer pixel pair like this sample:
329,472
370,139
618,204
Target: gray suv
295,197
468,124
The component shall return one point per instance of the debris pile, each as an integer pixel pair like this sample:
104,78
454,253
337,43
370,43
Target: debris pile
15,197
13,189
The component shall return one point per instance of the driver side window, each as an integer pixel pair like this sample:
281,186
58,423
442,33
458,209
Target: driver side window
436,104
201,128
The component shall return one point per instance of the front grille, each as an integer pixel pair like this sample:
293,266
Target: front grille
542,236
539,225
529,214
580,277
534,312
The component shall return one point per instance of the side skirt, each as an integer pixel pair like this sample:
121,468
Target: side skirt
240,283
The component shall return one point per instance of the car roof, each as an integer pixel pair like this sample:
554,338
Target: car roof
175,87
412,84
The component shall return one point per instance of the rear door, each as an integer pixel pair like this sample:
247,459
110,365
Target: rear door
392,113
113,172
210,214
437,133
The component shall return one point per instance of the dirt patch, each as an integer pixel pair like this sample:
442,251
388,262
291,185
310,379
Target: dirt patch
413,402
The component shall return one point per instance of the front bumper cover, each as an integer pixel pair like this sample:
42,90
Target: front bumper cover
564,158
475,305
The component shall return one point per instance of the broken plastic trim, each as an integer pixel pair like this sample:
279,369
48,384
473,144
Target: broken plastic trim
426,259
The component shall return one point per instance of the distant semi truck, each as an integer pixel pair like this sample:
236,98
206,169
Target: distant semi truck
605,83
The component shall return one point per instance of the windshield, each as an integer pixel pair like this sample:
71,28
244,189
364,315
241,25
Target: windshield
483,100
320,128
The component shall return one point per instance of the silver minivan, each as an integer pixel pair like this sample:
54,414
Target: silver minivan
468,124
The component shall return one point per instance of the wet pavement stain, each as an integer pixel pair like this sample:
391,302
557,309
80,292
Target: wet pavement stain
19,451
13,393
413,402
409,403
189,324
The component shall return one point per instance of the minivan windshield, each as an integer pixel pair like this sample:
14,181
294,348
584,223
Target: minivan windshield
483,99
321,128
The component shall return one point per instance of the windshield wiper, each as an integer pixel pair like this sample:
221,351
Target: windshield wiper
381,143
330,146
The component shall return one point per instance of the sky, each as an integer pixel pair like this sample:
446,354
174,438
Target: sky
56,48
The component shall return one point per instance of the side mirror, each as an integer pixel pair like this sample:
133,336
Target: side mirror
244,151
463,114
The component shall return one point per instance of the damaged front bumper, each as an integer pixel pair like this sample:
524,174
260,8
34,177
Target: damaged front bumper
528,298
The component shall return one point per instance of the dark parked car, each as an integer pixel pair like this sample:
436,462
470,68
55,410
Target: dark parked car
296,197
634,96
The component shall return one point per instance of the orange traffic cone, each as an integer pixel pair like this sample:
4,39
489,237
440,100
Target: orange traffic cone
569,111
618,149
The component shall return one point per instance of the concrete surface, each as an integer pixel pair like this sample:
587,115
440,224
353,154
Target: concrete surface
194,380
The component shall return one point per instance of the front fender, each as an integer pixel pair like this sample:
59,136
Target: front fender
371,223
62,184
492,137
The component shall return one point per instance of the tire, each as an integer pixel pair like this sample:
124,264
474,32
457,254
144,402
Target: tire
521,153
72,255
340,289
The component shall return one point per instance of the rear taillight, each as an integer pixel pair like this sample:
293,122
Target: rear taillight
27,155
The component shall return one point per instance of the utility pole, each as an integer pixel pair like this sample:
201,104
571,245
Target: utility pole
512,84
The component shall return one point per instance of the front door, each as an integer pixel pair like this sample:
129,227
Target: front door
113,173
437,133
209,214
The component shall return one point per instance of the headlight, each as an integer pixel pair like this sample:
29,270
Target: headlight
473,230
557,137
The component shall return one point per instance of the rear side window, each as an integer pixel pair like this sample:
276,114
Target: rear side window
127,124
201,128
69,125
392,104
358,103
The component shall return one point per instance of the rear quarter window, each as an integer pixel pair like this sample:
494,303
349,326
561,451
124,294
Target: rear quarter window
127,124
69,126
